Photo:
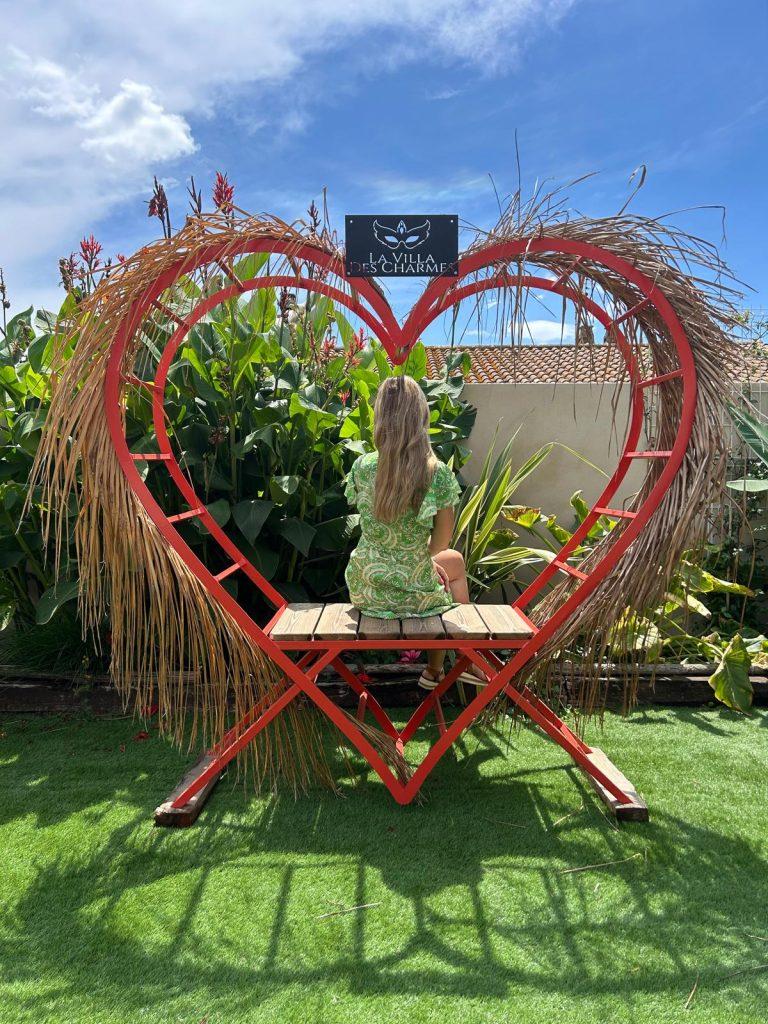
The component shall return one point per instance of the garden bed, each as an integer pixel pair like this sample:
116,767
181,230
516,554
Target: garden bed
393,686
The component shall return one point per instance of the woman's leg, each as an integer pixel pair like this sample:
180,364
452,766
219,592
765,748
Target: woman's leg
453,563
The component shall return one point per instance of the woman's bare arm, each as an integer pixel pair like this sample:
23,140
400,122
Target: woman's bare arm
442,531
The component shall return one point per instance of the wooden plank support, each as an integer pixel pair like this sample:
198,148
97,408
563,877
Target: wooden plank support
563,277
464,623
361,705
504,622
297,622
372,628
637,810
337,622
182,817
429,627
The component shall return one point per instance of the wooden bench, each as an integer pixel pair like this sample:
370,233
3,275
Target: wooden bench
315,621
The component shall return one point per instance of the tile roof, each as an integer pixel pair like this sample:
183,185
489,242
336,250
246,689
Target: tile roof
543,364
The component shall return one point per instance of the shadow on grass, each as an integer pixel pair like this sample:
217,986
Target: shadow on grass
469,893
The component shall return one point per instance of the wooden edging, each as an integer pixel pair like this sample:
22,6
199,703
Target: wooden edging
392,685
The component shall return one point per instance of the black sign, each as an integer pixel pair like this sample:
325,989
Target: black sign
394,245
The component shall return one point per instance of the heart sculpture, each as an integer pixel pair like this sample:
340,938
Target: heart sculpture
366,302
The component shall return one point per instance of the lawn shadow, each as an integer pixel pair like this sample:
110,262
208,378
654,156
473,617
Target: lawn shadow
466,894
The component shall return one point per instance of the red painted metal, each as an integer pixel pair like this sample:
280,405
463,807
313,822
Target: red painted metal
651,381
628,313
570,569
618,513
191,514
366,302
647,455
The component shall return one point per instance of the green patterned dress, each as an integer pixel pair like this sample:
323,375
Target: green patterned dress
390,572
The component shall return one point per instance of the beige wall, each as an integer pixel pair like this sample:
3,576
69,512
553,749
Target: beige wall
578,415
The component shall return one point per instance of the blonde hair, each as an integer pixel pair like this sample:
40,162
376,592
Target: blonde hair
406,461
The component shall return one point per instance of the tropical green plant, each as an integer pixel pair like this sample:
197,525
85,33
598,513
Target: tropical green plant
267,404
491,553
754,434
30,591
664,631
743,529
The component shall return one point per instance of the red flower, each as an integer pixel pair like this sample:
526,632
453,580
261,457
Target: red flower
363,677
223,193
329,348
149,710
344,396
120,258
407,657
357,344
89,250
142,734
157,206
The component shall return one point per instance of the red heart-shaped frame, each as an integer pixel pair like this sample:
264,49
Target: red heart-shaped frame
367,303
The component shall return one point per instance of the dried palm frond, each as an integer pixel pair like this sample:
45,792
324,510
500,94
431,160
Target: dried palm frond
171,642
703,293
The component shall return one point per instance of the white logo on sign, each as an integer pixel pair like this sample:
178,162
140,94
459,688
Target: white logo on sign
401,236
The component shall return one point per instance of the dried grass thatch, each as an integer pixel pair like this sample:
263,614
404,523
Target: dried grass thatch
164,622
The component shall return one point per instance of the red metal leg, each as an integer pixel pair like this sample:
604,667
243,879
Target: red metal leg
540,713
439,716
371,703
246,730
423,709
223,759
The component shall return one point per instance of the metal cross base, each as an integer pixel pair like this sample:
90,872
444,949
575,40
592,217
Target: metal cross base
184,804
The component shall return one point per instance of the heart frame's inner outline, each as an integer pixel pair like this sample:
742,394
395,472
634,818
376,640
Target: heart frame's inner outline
440,295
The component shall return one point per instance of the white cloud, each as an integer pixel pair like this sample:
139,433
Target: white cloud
547,332
132,126
97,101
443,94
50,89
401,189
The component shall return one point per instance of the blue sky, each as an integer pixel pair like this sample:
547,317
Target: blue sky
406,107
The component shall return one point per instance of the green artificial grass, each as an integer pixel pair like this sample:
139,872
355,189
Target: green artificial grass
469,913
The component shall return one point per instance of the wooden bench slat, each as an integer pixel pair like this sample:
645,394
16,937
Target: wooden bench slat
373,628
337,622
464,622
503,622
428,628
312,620
297,622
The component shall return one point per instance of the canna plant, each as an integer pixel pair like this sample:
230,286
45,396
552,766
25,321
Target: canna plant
268,403
30,591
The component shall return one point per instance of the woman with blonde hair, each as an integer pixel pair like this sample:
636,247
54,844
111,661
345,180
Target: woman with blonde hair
402,565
